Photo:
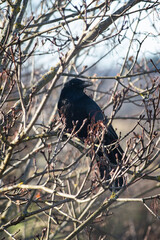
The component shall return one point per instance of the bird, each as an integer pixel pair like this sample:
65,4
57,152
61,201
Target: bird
79,112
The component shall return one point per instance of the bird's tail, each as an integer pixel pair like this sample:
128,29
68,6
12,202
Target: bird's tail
109,163
108,153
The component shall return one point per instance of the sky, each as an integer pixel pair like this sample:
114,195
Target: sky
114,59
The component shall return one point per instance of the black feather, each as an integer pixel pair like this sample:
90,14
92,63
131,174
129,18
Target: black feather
76,108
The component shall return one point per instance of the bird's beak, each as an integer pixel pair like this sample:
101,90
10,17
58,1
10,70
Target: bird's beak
87,84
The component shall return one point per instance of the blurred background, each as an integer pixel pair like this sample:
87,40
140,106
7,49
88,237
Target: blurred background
114,44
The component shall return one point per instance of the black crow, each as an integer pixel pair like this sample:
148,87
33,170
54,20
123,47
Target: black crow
79,111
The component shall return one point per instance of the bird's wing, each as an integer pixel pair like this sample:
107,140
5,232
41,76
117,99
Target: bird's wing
111,131
94,112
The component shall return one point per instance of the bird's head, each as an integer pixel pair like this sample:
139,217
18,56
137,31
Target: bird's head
77,84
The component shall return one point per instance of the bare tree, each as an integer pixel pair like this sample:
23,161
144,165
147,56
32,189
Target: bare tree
49,186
